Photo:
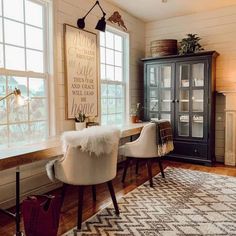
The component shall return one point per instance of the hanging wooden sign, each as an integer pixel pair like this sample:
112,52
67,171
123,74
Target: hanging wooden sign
80,72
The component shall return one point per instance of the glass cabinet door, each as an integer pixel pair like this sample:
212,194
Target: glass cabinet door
198,99
165,90
159,91
152,92
190,104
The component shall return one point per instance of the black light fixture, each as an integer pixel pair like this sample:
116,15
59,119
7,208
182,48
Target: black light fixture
101,25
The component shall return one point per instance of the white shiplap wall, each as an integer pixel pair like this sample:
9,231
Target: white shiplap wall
68,12
218,32
33,176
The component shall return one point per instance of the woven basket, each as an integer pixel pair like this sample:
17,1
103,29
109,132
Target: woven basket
164,47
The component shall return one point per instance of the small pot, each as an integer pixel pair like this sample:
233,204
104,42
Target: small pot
134,119
80,125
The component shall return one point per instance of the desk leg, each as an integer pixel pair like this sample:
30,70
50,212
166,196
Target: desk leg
17,214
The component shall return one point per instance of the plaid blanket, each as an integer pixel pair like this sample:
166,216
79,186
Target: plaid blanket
164,137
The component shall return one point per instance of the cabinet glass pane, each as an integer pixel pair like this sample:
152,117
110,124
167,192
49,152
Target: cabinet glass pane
165,117
154,105
198,100
184,101
153,76
183,125
153,116
197,126
198,74
166,76
166,100
153,93
184,76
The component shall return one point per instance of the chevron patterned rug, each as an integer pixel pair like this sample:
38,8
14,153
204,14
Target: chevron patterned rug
185,203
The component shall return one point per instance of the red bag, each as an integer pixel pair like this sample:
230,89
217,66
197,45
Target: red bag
41,215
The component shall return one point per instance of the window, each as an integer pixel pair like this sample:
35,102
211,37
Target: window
114,76
23,64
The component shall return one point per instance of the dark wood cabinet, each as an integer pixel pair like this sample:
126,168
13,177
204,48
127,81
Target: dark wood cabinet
181,89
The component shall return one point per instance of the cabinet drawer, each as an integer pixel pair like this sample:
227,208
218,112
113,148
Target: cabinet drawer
195,150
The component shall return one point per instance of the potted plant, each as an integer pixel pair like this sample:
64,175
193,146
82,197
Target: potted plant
80,121
190,44
135,113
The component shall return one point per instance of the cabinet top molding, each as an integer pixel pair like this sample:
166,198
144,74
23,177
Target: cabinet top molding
203,53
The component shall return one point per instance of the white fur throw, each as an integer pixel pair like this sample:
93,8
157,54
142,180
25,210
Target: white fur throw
96,139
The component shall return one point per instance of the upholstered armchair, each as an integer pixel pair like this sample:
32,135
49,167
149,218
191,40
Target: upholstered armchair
90,158
143,148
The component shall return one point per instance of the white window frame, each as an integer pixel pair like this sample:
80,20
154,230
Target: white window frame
47,57
125,74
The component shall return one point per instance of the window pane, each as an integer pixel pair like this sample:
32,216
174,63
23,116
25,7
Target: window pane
14,33
104,91
119,119
104,120
111,119
102,39
110,72
120,105
37,87
3,113
111,106
104,106
34,61
111,91
118,74
109,40
118,58
1,56
13,9
34,38
119,91
2,85
102,55
38,109
38,131
103,71
1,37
109,56
118,43
3,136
18,133
0,8
33,13
15,58
17,113
18,82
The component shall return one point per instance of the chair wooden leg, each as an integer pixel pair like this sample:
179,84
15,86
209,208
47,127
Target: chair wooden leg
94,192
63,193
125,169
113,197
137,165
149,167
161,168
80,206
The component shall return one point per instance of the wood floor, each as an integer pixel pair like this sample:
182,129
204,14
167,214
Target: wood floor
69,210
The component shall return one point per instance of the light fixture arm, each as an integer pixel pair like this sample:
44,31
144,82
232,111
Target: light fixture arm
101,8
96,3
15,92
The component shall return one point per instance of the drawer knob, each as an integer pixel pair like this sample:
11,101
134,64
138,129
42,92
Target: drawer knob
195,150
